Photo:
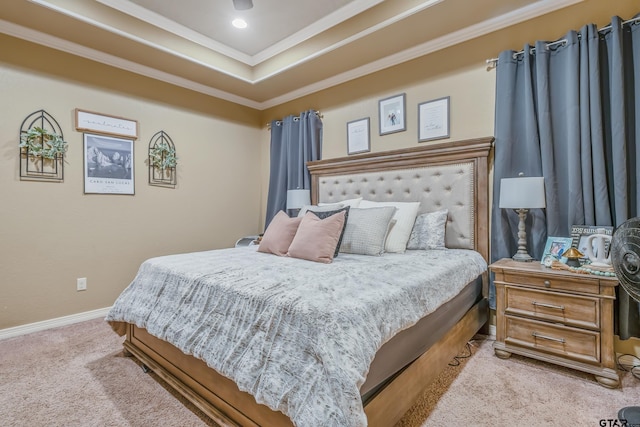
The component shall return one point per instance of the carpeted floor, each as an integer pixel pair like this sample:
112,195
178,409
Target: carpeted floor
77,376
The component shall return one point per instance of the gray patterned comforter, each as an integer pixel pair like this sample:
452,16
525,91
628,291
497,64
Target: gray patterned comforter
298,335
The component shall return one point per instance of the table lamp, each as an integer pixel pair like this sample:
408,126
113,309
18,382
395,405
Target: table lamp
521,194
296,199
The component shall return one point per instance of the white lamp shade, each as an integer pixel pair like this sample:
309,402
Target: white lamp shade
296,199
522,193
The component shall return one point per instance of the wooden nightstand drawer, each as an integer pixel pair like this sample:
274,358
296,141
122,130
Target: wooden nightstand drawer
556,315
584,284
572,310
570,343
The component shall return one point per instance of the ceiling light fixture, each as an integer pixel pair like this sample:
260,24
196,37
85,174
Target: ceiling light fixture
239,23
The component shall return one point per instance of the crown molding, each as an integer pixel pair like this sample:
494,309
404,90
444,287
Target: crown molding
523,14
451,39
43,39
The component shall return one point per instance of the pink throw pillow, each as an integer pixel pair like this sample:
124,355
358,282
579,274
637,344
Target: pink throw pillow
316,239
279,234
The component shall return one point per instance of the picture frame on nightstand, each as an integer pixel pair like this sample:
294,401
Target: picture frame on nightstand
554,248
581,233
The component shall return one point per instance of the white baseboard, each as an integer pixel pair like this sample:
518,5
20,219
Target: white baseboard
492,331
52,323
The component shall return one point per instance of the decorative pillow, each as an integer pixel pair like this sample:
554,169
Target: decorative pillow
428,231
367,230
279,234
352,203
316,239
320,208
327,214
405,217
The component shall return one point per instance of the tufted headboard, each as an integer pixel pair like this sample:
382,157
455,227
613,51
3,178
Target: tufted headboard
452,175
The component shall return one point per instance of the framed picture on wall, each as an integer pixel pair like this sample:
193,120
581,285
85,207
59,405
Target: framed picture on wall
433,119
88,121
391,114
108,165
358,137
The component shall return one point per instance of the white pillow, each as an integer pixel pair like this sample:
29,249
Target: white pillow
404,217
428,231
352,203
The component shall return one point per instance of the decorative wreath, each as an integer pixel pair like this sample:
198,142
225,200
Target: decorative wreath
163,156
39,142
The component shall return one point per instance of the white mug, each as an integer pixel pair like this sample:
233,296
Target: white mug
598,242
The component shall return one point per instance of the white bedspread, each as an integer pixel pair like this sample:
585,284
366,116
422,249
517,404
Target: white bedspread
298,335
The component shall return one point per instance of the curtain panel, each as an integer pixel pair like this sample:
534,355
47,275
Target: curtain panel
295,140
569,111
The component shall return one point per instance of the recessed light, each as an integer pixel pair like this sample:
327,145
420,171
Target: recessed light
239,23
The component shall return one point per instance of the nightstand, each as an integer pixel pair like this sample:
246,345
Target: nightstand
556,316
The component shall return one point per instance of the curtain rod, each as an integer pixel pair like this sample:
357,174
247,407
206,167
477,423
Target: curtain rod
493,62
295,119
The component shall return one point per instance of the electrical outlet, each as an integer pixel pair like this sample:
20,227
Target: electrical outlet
81,284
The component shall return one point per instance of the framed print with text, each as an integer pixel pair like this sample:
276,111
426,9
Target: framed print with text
88,121
433,119
358,138
108,165
391,114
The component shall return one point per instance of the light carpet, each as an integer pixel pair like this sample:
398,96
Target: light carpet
77,376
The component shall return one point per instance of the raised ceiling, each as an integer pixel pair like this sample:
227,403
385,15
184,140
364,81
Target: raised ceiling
290,48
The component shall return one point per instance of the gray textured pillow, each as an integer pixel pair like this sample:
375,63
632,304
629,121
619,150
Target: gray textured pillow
315,208
366,230
428,231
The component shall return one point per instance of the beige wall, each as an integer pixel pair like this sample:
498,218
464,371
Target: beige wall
51,233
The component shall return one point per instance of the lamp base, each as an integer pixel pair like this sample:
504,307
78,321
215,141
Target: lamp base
522,257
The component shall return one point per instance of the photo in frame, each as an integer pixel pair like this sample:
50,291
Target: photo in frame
108,165
358,136
433,119
555,247
391,114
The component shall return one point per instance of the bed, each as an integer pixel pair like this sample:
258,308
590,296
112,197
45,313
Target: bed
416,336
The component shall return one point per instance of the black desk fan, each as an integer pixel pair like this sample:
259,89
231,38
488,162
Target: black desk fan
625,257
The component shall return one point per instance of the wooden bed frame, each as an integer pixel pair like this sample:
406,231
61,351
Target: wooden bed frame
221,400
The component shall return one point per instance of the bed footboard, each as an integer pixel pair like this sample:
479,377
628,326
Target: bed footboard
221,400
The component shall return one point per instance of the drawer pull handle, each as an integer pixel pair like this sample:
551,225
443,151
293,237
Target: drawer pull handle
541,304
547,284
544,337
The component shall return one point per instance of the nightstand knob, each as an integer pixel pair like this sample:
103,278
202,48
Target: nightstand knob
547,284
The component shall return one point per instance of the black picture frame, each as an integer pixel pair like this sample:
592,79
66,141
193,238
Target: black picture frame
108,165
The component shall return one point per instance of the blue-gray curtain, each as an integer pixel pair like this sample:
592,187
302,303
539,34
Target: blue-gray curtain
570,111
295,140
